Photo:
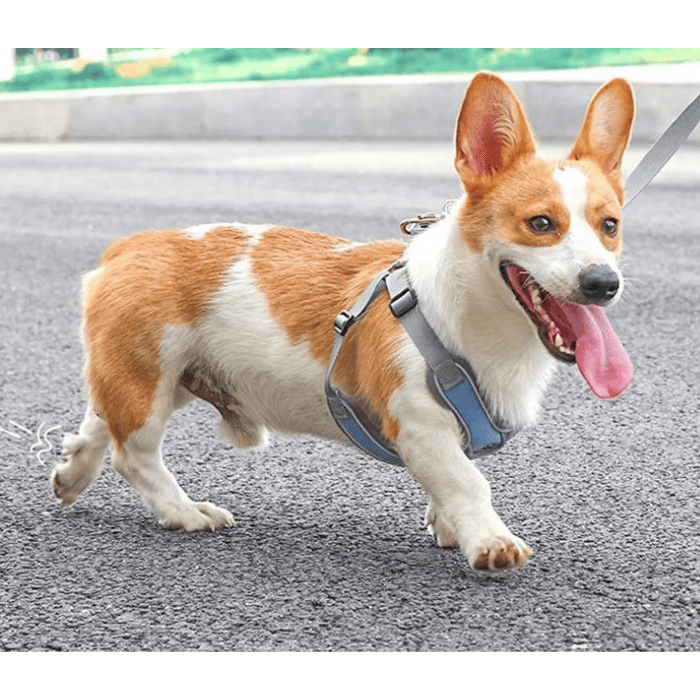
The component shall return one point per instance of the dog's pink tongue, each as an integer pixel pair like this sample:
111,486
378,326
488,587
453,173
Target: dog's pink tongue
600,357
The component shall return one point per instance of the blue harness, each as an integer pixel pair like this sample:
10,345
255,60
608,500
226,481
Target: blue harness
450,378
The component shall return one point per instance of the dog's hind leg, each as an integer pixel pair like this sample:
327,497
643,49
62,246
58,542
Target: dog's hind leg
139,460
84,454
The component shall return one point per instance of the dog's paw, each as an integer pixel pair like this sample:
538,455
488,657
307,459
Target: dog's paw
59,489
438,527
499,554
65,485
197,516
72,444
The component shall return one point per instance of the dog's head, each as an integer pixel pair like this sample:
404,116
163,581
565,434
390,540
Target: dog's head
552,231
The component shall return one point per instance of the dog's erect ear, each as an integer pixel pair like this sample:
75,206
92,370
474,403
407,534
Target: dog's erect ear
492,132
606,129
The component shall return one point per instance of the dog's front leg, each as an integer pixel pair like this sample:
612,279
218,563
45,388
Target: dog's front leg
460,510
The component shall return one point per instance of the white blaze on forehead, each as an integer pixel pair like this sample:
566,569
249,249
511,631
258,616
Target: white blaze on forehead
574,187
581,239
557,267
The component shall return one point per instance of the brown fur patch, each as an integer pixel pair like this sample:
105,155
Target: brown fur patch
147,282
308,278
526,190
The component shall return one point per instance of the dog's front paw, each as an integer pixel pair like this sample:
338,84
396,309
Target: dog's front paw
499,554
437,526
197,516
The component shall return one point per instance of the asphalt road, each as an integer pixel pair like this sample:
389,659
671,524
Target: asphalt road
329,552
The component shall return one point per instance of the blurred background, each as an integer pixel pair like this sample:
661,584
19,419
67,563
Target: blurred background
70,94
64,68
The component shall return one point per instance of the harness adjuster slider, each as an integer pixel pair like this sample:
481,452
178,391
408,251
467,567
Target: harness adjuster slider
342,322
403,302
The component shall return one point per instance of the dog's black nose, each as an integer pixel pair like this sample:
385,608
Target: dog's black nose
598,283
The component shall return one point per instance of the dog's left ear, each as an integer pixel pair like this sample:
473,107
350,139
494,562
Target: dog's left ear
606,129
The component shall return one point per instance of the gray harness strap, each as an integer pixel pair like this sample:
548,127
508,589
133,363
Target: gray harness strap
450,378
347,416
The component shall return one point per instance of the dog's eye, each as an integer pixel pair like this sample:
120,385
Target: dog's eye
541,224
609,227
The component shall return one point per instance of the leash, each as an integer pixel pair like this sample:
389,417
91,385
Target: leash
662,150
418,224
451,378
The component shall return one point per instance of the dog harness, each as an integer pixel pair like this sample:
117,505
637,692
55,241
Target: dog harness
450,378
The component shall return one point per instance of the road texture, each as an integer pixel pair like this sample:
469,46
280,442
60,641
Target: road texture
329,551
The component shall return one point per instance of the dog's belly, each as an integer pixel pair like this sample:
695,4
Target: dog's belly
247,400
244,364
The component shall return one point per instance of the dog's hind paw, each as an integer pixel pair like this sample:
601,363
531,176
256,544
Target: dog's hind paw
73,444
67,482
500,554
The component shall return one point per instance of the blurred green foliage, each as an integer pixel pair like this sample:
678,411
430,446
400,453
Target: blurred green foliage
235,64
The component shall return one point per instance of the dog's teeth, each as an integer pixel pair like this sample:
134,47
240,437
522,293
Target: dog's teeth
543,314
558,341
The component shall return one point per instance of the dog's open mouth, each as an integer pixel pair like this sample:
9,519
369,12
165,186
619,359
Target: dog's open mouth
573,333
560,343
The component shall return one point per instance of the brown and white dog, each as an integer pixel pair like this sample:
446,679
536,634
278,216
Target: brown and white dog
513,279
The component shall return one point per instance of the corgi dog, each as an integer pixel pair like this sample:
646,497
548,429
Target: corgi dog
514,278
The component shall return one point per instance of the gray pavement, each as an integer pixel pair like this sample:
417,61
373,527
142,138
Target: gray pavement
329,552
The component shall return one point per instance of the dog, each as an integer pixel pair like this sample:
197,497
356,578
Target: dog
514,279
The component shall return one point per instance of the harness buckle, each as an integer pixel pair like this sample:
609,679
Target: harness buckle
403,301
342,322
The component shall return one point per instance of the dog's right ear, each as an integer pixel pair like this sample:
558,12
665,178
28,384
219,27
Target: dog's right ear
492,133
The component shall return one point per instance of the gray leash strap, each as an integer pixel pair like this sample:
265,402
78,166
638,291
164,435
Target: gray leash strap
662,150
